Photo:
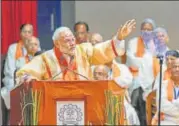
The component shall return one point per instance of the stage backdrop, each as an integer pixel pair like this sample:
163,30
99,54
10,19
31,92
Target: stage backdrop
106,17
16,13
48,19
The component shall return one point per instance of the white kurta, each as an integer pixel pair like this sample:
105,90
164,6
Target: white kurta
125,80
11,64
145,66
170,109
9,68
157,80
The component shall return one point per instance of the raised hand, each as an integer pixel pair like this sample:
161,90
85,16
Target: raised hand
126,29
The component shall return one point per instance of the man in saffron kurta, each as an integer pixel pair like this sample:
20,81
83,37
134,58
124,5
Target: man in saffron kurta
143,65
68,61
170,98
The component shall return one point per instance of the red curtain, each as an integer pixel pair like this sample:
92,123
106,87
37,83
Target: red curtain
14,14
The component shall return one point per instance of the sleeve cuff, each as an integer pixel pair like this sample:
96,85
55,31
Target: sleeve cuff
176,102
118,46
120,82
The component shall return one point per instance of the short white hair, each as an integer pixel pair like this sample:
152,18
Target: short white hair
58,31
33,37
104,67
97,36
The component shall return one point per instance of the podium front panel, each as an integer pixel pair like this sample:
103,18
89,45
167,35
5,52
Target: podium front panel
65,102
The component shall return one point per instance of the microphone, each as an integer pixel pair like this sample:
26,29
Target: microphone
66,68
160,55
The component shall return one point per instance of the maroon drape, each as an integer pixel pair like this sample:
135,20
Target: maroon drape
14,14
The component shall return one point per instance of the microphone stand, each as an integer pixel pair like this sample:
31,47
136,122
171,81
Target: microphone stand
160,86
71,71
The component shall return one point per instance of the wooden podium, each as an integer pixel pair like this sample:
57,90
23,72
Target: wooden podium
81,101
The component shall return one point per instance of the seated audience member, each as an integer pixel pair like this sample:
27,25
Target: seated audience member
122,76
95,38
81,30
32,45
160,39
170,98
170,56
15,51
100,72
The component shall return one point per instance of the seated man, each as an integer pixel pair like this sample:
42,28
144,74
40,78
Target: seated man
122,76
32,45
170,98
15,51
170,56
101,72
96,38
68,61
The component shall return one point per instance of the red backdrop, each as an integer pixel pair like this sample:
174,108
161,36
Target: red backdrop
14,14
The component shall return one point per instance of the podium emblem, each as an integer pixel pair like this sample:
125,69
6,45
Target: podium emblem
70,113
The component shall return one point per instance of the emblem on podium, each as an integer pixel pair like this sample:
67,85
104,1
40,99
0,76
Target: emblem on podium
70,113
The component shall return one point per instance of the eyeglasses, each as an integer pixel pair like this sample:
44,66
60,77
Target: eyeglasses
100,73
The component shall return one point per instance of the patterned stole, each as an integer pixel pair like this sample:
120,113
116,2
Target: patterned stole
67,69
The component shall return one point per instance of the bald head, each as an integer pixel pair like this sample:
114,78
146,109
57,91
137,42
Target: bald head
101,72
32,45
96,38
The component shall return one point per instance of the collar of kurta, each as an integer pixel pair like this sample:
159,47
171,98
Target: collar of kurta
140,47
63,62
